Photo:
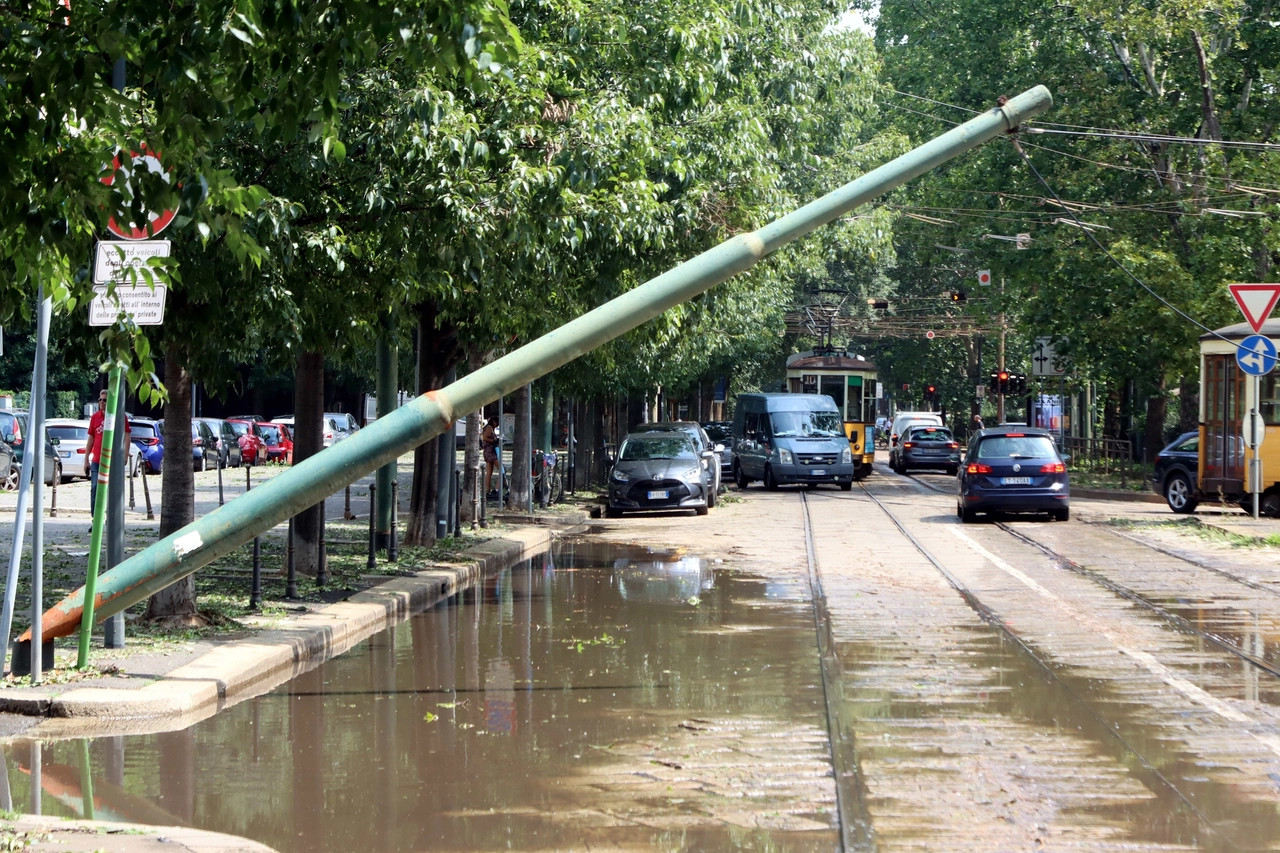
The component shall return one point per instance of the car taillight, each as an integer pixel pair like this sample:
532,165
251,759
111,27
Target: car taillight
954,445
80,450
908,444
978,468
328,435
197,442
1053,468
151,442
895,436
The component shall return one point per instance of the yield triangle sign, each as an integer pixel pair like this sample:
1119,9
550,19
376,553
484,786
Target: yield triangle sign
1256,301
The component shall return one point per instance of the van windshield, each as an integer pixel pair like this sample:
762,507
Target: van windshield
800,424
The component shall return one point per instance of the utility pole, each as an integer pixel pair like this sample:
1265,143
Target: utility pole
387,392
1000,398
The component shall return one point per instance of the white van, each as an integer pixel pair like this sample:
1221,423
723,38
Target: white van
903,420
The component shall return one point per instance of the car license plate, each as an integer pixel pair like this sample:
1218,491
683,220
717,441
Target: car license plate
817,472
65,454
1015,481
659,494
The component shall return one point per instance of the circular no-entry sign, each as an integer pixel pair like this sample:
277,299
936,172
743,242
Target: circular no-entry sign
929,335
156,221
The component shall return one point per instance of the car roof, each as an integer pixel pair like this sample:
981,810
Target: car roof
66,422
1013,429
663,433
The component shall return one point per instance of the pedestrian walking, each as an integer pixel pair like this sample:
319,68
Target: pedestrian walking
977,423
491,442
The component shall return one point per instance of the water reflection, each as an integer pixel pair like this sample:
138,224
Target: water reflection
594,698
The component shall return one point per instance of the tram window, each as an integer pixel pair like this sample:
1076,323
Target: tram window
833,387
1270,402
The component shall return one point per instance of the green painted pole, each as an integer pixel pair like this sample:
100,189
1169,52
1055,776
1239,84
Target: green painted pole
307,483
99,518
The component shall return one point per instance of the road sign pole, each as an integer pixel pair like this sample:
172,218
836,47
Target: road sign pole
113,628
114,382
35,447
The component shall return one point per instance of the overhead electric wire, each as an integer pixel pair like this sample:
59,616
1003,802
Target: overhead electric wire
1152,137
1018,147
1146,171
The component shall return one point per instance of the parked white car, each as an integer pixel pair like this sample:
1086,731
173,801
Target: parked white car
73,444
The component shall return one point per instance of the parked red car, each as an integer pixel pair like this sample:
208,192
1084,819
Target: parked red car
252,448
279,442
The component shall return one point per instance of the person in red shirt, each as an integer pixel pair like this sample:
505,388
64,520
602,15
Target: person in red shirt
94,456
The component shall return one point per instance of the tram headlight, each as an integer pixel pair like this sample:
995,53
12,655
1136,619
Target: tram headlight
784,456
846,456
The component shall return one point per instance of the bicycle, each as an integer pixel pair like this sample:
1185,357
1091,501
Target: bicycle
548,484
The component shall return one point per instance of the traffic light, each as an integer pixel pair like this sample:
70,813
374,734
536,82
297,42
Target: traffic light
930,393
1001,382
959,296
1018,384
879,304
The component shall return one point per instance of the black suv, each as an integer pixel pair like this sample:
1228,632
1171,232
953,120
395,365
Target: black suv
1175,472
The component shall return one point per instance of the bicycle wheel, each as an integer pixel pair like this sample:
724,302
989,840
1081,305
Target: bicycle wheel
557,487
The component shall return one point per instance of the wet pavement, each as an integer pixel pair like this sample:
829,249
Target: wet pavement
1026,686
600,697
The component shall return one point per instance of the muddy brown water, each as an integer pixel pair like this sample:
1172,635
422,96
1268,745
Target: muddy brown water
595,697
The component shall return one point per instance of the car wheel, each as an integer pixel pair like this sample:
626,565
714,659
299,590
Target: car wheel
1178,494
769,482
711,498
1061,514
846,487
739,478
967,515
701,510
610,512
953,470
1270,504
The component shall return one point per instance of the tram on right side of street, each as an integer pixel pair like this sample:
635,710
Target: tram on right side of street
1226,398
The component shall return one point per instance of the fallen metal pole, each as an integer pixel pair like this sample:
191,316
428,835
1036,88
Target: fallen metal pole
221,531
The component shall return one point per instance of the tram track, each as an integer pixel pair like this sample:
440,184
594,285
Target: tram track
1143,601
994,620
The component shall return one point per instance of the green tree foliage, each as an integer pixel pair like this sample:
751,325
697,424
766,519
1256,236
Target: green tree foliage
1190,70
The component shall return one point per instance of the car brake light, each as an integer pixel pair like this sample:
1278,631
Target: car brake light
196,442
908,444
151,442
1053,468
954,445
80,450
895,436
978,468
1015,435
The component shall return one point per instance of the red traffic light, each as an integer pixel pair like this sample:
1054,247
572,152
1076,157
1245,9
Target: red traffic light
931,389
1004,376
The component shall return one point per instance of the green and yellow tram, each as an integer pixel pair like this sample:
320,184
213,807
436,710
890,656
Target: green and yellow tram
1226,398
851,382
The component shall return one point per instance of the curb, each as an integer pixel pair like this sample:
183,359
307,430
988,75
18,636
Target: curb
113,837
1116,495
245,668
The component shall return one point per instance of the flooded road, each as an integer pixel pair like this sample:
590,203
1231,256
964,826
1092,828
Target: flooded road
599,697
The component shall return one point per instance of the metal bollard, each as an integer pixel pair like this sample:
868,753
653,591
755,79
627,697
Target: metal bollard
455,503
146,493
291,579
347,514
372,562
221,500
393,545
53,498
132,503
475,500
322,571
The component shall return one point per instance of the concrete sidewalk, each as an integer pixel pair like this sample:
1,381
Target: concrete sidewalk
49,834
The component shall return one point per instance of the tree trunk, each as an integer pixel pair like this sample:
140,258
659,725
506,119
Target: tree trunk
522,450
1188,404
471,459
437,352
584,432
178,600
308,440
1157,408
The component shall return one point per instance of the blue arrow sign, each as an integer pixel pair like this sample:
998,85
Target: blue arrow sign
1256,355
